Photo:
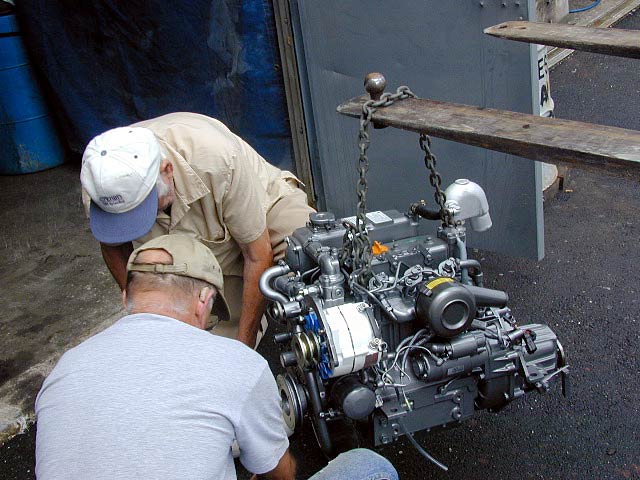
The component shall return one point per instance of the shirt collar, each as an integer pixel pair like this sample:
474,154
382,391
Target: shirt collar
189,187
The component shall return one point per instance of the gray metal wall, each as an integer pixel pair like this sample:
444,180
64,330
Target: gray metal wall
437,48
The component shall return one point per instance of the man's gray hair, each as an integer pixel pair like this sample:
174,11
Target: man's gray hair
179,287
161,187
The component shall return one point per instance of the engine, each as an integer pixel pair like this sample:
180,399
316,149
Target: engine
421,344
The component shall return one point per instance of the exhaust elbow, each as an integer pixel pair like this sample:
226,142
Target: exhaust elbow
467,201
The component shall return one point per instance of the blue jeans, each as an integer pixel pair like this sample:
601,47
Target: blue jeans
357,464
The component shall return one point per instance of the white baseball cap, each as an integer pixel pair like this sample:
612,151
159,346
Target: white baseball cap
120,168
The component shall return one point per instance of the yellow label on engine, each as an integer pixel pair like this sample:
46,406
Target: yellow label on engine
438,281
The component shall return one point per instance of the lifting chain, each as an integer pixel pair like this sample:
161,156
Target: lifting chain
357,244
435,179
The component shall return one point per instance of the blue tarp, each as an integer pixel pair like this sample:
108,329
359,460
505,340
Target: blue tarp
111,63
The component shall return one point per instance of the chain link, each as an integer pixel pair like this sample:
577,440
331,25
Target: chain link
356,242
435,179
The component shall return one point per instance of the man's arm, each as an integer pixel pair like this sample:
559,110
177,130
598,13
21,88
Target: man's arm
116,257
259,428
285,470
257,258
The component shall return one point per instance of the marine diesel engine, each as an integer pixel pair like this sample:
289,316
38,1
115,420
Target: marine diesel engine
420,343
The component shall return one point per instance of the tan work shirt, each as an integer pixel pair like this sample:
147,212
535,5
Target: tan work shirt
224,188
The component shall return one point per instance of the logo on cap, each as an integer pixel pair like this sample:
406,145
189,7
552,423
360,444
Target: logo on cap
112,200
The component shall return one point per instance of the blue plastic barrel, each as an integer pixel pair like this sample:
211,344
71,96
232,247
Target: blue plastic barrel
28,141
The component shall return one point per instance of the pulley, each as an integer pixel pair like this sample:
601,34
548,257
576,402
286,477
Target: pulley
293,401
306,347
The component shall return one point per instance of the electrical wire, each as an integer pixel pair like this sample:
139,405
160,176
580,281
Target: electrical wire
588,7
385,310
421,450
407,348
310,271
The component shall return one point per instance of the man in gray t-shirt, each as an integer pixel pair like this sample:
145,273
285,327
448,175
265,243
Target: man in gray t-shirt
156,396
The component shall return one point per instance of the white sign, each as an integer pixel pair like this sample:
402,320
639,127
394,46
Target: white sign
374,217
544,85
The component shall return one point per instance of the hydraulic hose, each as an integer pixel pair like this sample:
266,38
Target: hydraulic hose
474,269
470,263
421,210
588,7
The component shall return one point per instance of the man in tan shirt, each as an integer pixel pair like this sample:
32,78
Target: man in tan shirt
189,174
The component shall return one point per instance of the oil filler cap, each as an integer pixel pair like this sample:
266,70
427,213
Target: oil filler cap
322,220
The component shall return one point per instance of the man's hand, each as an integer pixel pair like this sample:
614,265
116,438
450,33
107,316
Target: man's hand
285,470
116,257
257,258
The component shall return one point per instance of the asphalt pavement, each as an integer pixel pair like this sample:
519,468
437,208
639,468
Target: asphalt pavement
586,288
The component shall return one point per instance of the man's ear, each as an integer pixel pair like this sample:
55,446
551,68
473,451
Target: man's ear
205,302
166,168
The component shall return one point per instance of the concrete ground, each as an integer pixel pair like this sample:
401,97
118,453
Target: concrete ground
56,292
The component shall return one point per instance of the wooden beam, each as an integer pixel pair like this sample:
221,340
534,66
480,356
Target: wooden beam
611,150
608,41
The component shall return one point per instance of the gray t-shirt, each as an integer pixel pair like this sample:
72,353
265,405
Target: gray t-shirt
153,397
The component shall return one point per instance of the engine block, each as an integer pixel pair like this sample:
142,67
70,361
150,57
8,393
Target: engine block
422,344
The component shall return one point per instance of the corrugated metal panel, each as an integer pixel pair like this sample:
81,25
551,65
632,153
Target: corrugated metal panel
438,49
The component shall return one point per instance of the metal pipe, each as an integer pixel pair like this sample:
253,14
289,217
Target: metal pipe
265,283
462,255
328,265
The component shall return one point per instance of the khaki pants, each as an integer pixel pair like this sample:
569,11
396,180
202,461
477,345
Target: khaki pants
286,215
233,295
